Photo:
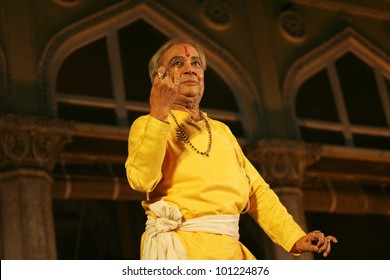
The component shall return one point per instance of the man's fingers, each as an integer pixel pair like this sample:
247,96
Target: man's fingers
332,238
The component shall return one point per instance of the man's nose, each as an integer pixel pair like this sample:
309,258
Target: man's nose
188,69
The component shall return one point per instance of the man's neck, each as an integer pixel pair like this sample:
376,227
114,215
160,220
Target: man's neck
193,112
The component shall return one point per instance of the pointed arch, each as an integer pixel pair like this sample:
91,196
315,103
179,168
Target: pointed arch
320,58
169,24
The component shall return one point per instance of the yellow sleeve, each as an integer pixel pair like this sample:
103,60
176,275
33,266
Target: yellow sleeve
265,207
146,151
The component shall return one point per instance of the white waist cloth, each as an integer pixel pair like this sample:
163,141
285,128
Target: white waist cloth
161,243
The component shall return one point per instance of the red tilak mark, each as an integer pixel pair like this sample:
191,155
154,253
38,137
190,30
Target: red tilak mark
186,51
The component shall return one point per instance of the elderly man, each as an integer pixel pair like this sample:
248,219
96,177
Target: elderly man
196,178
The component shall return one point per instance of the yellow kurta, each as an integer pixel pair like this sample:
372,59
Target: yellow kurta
223,183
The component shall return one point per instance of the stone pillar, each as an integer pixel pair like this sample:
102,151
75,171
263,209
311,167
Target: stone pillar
282,164
29,147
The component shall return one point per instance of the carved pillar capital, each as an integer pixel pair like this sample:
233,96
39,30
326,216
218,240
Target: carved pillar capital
32,141
282,162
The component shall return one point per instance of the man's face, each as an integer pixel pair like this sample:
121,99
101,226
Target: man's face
183,64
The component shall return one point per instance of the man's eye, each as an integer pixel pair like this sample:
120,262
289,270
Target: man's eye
176,63
196,63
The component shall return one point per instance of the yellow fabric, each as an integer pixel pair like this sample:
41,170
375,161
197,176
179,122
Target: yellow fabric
223,183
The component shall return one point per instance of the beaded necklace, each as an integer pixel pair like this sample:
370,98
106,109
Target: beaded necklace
182,135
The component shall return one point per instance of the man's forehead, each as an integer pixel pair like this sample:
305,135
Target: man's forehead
187,54
182,50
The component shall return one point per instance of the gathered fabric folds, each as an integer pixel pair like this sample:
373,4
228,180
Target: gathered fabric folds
162,244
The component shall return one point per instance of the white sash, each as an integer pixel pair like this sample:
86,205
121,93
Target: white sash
161,244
